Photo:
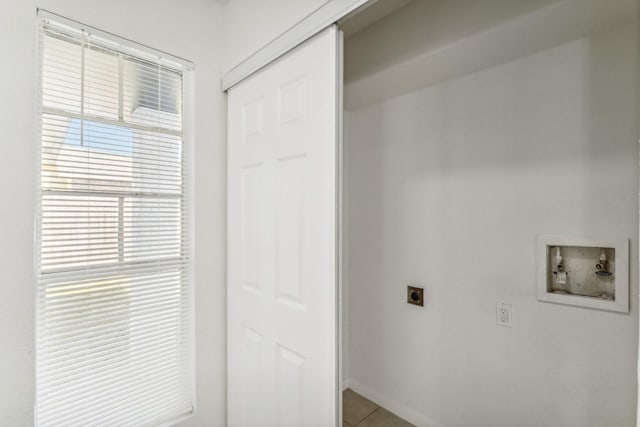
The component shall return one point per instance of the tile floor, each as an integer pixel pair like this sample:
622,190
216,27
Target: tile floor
361,412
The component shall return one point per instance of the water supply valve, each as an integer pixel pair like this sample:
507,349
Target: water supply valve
602,267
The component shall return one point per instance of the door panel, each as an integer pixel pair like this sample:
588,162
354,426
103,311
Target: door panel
282,241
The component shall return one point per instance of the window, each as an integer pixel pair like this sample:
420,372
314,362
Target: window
114,310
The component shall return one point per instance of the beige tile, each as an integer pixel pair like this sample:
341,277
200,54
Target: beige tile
344,424
383,418
355,408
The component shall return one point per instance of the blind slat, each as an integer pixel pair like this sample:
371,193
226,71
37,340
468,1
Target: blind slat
114,316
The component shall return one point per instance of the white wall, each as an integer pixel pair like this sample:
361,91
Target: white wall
189,29
448,187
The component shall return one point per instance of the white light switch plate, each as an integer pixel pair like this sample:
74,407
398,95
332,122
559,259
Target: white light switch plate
504,315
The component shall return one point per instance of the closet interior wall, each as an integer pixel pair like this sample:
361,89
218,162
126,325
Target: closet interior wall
470,129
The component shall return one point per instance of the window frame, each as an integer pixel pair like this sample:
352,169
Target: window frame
143,52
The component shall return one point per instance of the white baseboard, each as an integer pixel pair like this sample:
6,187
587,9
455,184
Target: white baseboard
391,404
346,383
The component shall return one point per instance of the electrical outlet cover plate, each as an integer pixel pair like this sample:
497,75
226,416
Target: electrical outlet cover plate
504,315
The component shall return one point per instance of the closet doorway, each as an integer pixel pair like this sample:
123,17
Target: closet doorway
470,128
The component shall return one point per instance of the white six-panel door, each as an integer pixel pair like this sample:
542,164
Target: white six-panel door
282,241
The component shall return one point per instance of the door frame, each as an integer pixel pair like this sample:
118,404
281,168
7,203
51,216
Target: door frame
339,223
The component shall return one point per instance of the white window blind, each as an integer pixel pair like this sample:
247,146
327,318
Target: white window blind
114,309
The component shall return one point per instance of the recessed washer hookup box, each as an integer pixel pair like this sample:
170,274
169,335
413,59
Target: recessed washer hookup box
585,272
